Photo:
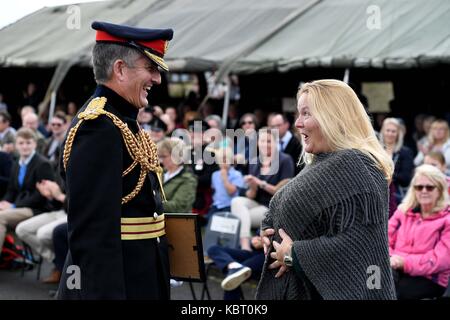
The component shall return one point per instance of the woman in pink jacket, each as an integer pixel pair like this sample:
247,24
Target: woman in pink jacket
419,237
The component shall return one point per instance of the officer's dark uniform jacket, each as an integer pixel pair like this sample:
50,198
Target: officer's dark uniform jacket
112,266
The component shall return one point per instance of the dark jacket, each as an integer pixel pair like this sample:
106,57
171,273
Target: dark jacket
6,162
294,149
111,268
55,156
27,196
404,167
203,171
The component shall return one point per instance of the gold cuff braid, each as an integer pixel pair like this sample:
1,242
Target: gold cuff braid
141,148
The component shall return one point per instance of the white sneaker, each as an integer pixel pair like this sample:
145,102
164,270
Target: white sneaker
235,278
175,283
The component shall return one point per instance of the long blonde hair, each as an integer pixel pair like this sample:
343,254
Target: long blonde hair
175,147
434,124
344,121
400,133
438,179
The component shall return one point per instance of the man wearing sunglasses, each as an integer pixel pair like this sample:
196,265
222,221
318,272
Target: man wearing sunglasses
57,126
116,231
158,129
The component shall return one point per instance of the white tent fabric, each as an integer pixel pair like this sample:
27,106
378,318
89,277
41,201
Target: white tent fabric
44,39
336,33
247,36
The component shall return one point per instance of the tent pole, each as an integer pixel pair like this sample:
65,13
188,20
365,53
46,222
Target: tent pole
52,105
346,75
60,73
226,103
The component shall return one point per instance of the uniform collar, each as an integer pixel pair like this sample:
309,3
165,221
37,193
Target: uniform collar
118,102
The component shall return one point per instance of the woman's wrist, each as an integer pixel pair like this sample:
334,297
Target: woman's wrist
262,184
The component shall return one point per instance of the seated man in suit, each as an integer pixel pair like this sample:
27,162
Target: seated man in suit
22,199
289,143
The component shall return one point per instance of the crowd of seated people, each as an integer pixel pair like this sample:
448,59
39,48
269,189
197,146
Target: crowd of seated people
206,172
32,203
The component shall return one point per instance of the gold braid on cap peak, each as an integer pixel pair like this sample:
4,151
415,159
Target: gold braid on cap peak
141,148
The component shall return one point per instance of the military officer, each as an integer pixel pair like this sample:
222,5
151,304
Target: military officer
117,243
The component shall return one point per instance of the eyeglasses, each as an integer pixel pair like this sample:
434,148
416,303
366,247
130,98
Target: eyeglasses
420,187
247,122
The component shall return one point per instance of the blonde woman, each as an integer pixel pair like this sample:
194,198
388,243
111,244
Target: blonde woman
391,138
329,223
419,237
179,181
438,140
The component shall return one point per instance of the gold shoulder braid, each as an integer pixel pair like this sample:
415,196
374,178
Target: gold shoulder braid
141,148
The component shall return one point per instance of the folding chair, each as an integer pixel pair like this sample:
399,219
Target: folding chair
223,229
28,253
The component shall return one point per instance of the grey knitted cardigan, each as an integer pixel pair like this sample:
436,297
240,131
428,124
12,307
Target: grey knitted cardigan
336,212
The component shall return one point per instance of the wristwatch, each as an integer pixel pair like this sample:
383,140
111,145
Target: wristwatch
288,261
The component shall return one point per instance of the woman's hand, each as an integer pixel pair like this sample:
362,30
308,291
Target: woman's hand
425,148
44,190
4,205
281,249
265,234
397,262
158,111
251,181
56,191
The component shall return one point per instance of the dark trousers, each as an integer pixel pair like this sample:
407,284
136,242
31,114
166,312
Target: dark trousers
222,257
413,288
214,210
61,245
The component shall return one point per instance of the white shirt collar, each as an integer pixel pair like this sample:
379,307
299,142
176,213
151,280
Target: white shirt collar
287,137
27,160
168,176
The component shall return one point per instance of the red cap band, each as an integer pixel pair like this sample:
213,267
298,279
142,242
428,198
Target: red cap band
157,46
